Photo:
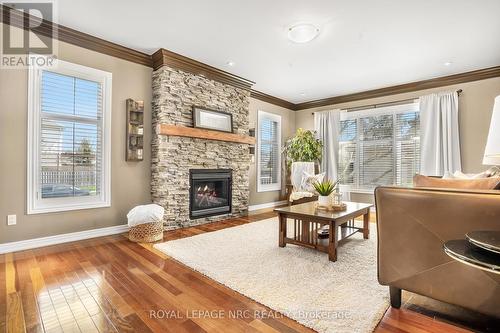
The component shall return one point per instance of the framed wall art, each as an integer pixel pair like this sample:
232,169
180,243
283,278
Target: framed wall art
212,119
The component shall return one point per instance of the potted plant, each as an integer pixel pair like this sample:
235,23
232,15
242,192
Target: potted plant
324,189
303,147
302,152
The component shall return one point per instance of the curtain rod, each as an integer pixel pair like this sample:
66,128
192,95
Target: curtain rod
374,106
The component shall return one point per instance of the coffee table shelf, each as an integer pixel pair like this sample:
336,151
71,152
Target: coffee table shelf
307,219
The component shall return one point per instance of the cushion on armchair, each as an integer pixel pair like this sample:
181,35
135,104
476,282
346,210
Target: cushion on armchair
308,181
306,188
295,196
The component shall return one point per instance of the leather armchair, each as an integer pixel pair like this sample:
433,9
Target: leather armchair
413,224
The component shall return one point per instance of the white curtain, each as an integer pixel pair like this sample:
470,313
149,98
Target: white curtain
439,134
327,127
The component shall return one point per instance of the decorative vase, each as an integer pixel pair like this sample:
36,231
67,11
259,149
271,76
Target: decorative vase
324,200
336,198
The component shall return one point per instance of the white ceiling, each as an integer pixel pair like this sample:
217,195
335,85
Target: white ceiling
362,45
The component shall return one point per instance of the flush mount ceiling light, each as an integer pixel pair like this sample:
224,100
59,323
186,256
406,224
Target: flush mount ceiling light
302,32
230,63
448,63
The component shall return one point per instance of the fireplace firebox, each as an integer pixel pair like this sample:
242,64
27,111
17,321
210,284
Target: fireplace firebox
210,192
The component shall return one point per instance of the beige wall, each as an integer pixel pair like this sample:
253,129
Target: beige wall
475,108
130,181
287,130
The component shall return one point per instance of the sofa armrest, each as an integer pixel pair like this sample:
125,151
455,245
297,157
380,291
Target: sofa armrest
413,224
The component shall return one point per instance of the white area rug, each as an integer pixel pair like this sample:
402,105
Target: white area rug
341,296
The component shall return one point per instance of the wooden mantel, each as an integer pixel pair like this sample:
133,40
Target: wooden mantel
191,132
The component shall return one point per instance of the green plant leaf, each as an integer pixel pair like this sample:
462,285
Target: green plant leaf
303,147
326,187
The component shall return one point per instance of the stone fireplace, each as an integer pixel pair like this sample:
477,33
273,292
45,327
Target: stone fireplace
182,166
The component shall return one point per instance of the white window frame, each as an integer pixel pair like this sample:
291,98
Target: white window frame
268,187
35,204
392,110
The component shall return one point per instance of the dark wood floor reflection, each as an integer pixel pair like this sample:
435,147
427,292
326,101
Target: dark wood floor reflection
109,284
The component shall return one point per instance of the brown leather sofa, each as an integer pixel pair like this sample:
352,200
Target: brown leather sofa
413,224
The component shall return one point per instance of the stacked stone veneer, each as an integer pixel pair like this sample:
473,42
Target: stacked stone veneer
174,94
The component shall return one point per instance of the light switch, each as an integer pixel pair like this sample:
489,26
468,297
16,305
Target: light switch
11,219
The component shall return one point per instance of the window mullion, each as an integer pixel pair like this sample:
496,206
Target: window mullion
74,130
78,119
394,151
357,161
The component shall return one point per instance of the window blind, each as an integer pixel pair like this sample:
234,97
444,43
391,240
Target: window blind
71,136
379,147
269,151
407,147
376,151
348,152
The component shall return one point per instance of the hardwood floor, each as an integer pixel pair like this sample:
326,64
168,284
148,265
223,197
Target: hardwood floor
109,284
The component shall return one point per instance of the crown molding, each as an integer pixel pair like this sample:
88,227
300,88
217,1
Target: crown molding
171,59
449,80
271,99
71,36
164,57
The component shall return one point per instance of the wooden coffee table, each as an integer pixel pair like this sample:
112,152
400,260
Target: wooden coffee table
307,219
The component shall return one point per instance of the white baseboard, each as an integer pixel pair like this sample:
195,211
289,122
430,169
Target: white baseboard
63,238
267,205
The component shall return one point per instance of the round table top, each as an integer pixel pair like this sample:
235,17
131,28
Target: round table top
489,240
464,251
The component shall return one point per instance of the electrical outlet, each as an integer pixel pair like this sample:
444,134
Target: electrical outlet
11,219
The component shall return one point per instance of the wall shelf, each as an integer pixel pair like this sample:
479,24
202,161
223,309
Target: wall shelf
191,132
135,130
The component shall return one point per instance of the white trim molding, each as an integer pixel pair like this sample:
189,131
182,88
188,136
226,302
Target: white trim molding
62,238
266,205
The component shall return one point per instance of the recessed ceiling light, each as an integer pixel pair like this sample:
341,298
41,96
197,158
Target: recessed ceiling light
230,63
302,94
448,63
302,32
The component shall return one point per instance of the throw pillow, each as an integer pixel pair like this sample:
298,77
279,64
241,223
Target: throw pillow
309,179
461,175
298,169
490,183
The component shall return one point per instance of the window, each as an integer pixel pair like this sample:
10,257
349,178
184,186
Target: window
268,152
379,146
69,137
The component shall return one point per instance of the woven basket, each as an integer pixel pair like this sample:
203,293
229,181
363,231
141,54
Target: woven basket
146,233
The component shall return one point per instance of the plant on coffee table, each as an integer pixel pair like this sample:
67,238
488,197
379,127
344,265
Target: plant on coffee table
324,189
